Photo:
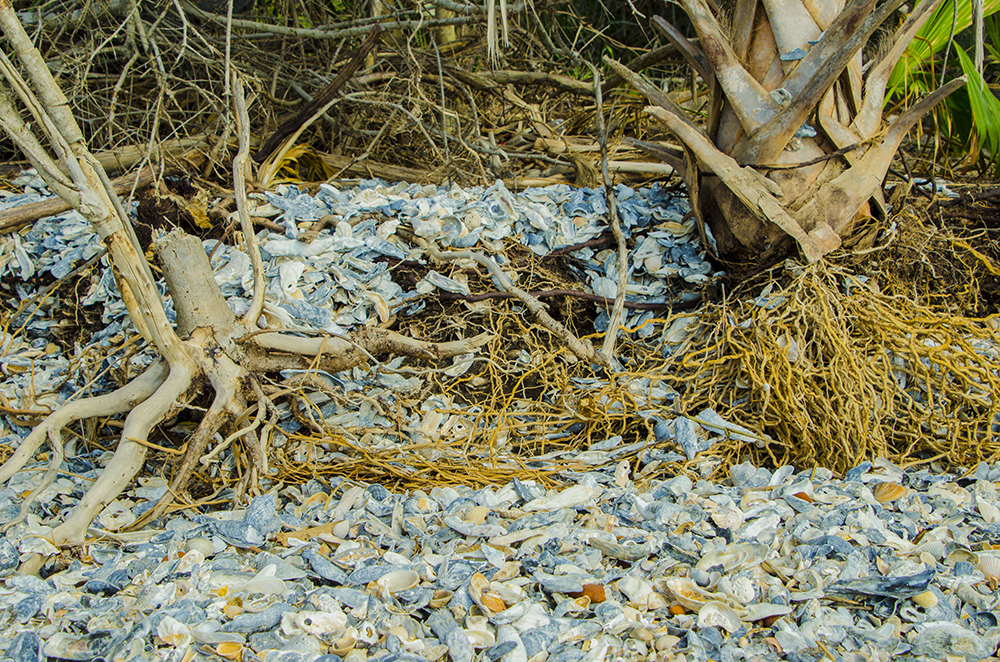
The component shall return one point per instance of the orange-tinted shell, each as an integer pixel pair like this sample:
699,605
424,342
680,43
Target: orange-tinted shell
493,602
230,649
594,592
234,607
886,492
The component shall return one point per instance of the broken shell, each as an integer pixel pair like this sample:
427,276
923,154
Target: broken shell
203,545
716,614
743,590
764,610
479,587
636,589
656,601
477,623
935,548
927,599
477,514
491,602
480,638
887,492
400,633
320,623
593,592
346,643
735,557
234,607
960,554
341,529
693,596
174,632
441,597
509,570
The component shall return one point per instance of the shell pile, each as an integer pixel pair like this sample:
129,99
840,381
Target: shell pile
882,563
342,279
765,566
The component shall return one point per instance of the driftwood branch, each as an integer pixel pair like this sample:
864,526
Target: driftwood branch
17,217
240,176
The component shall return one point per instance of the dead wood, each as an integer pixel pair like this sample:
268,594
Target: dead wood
320,100
18,217
207,350
581,348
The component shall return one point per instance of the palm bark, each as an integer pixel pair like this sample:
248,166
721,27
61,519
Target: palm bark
795,145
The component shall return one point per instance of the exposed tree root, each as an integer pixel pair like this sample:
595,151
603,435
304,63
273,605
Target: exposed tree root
207,348
109,404
128,457
216,352
227,380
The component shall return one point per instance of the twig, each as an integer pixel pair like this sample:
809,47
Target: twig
361,158
587,296
444,107
312,33
968,198
229,43
240,164
582,348
617,311
644,61
602,240
320,102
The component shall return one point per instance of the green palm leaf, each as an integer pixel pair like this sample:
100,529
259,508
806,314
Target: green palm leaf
931,38
985,106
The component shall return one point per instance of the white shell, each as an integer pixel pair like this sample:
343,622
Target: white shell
990,567
345,643
743,590
716,614
568,498
656,601
480,638
174,632
398,580
341,529
693,596
764,610
203,545
735,557
320,622
636,589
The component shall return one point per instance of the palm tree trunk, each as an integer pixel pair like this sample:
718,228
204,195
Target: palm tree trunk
795,146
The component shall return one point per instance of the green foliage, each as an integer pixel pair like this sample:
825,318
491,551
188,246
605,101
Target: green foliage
932,37
582,72
992,36
970,118
985,107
